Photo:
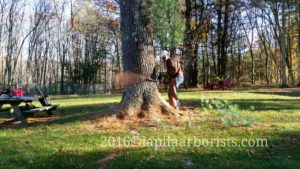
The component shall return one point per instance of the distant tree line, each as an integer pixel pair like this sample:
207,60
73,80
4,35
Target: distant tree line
70,45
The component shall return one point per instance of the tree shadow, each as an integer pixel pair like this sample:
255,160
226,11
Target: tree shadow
280,93
66,114
268,104
282,152
63,115
86,96
254,104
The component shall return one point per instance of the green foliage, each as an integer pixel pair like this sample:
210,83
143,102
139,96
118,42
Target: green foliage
87,69
231,114
168,22
234,117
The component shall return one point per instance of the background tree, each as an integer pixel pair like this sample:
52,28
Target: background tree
75,46
168,27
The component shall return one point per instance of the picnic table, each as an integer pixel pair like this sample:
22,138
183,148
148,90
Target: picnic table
20,112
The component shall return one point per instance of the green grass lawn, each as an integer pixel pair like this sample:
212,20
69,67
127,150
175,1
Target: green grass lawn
71,141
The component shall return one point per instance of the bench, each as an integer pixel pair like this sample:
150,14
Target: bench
47,108
22,112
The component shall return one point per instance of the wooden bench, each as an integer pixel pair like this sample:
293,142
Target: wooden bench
41,109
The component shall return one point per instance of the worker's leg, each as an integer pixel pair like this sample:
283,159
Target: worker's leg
179,81
172,93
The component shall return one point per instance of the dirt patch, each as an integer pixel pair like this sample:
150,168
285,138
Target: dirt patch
104,162
109,121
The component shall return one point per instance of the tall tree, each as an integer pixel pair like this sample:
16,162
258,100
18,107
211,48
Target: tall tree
283,47
168,27
194,28
222,26
299,40
138,59
224,41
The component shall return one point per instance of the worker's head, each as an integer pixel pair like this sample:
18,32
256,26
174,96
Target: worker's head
165,55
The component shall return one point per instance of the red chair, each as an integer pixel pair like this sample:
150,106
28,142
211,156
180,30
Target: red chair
18,92
227,83
213,86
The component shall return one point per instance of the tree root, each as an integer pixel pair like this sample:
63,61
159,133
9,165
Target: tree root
144,97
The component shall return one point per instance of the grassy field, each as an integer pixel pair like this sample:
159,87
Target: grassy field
69,140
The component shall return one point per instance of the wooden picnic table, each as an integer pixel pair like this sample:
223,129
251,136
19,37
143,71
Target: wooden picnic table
15,102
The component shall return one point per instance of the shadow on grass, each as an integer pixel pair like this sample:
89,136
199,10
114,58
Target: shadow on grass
282,152
92,96
268,104
73,113
256,104
67,114
64,114
289,94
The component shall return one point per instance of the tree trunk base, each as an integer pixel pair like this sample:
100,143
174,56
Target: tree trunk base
143,97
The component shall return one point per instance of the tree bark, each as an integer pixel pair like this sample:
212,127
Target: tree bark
213,52
224,41
283,49
190,48
299,41
219,34
138,58
252,64
262,38
239,64
289,60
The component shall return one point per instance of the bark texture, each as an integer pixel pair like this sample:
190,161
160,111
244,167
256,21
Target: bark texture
190,48
140,93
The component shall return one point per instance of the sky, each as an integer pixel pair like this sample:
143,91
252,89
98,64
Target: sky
29,11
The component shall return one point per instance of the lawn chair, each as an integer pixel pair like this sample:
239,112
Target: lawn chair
227,83
212,86
214,83
18,92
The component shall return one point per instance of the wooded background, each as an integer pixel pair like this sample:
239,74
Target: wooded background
73,46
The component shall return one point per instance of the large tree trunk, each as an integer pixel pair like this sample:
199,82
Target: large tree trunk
190,49
239,68
299,40
213,53
283,49
263,40
224,41
140,94
219,34
289,60
62,73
